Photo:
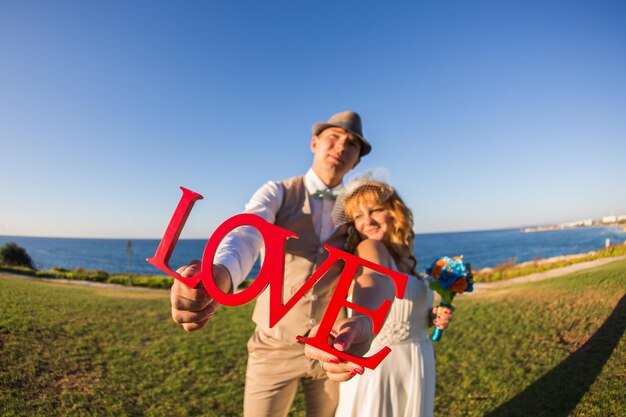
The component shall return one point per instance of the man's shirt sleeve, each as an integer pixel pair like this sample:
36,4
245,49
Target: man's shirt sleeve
240,248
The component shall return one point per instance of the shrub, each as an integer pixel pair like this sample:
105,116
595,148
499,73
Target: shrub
95,275
19,270
152,281
13,255
119,280
508,264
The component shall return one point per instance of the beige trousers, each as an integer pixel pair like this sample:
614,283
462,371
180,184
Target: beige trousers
274,370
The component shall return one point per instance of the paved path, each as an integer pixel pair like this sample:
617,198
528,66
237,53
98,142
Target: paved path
79,282
480,286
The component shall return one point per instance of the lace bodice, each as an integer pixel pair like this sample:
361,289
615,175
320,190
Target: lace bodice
404,383
408,317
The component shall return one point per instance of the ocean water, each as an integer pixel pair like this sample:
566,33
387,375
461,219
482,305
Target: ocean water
481,249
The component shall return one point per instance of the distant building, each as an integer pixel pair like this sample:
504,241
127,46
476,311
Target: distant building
609,219
621,218
577,223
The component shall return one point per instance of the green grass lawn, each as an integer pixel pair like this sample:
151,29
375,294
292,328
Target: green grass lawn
553,348
550,348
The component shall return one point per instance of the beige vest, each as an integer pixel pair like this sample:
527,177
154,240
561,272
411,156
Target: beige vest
302,257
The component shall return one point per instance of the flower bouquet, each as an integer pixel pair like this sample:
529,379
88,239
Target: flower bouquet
449,277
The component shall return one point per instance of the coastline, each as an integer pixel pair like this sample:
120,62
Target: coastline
510,270
481,249
539,262
499,269
552,273
582,224
478,286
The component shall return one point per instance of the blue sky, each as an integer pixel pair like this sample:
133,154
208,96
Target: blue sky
487,114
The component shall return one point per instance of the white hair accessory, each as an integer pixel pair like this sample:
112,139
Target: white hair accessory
376,180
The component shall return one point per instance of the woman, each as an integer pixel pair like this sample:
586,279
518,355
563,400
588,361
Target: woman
404,383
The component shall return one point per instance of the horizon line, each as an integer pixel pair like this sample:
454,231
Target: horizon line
496,229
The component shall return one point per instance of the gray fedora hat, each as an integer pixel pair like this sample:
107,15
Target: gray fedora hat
349,121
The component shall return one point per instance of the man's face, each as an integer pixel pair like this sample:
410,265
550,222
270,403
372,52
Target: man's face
336,151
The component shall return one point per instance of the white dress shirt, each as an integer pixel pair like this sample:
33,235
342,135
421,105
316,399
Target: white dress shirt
240,248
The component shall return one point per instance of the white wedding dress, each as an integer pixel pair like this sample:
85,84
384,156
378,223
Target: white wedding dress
403,385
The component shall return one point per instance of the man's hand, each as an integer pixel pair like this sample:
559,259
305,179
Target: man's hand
352,335
193,307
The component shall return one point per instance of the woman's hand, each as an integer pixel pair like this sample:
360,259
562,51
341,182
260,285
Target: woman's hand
442,315
352,335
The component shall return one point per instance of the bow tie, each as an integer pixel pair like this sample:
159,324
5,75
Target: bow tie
326,193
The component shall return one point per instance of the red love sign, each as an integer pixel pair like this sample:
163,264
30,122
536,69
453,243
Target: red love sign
272,272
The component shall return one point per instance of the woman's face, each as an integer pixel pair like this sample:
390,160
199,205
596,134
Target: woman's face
372,220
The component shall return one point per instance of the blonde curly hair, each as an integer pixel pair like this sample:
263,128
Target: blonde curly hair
401,238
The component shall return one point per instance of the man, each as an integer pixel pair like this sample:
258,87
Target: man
303,205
